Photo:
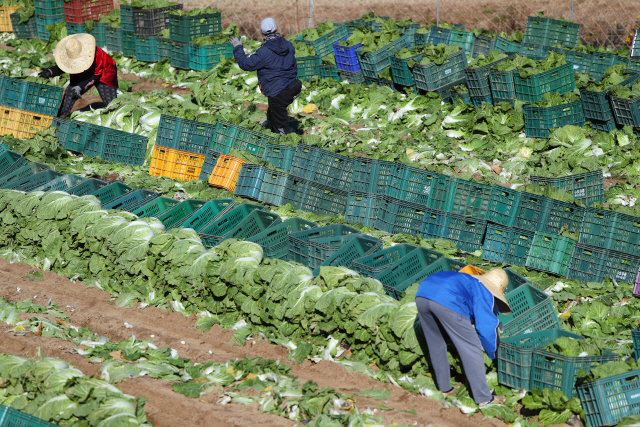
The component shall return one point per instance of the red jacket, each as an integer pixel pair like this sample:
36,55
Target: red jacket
103,66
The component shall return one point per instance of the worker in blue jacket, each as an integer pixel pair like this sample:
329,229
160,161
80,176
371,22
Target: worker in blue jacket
277,69
465,307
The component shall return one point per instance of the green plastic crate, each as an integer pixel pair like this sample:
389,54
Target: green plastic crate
254,223
503,88
591,264
75,28
362,208
186,135
212,233
507,46
323,167
550,253
463,39
515,356
626,111
43,21
29,183
313,197
26,30
10,417
250,180
208,213
280,156
482,45
323,45
308,66
11,161
580,62
357,247
400,71
126,17
503,205
299,242
550,32
29,96
156,207
460,197
132,200
114,39
351,77
49,7
603,60
329,72
375,62
531,311
379,261
415,262
206,57
531,212
100,34
3,148
438,35
87,187
111,192
272,190
372,176
274,240
62,183
147,49
557,372
597,106
531,89
431,76
23,172
466,232
611,230
128,44
412,185
515,280
184,28
175,215
588,187
323,248
539,122
478,78
396,216
179,55
441,264
164,48
228,135
506,244
608,400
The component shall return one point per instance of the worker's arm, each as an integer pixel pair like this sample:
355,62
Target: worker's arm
248,63
486,319
54,71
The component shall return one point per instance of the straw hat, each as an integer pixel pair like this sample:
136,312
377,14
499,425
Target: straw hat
75,54
496,282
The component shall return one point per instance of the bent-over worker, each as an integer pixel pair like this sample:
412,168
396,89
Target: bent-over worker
88,66
277,69
465,307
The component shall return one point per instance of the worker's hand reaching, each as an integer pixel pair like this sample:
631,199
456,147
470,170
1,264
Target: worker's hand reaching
75,91
235,41
45,74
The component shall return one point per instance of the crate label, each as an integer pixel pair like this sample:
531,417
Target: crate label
633,396
447,71
581,192
621,275
576,67
42,100
427,189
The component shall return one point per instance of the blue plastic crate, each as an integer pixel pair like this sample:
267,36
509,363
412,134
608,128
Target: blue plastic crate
346,58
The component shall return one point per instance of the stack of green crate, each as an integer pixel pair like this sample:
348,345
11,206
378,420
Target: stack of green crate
47,12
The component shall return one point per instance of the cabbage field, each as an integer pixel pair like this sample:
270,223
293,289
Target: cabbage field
114,318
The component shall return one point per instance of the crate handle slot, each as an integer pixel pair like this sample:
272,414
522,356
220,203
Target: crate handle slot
470,223
625,261
523,237
554,73
499,232
548,239
599,215
566,109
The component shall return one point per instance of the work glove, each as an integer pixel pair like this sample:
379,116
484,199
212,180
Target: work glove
75,91
235,42
45,74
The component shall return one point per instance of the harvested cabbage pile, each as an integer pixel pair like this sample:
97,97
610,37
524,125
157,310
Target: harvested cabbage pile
385,74
461,89
195,12
438,54
613,75
528,67
612,368
303,50
516,36
625,92
373,40
112,19
552,99
322,29
571,347
482,60
164,34
222,37
26,11
150,4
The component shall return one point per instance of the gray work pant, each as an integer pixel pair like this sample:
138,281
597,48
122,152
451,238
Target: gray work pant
435,320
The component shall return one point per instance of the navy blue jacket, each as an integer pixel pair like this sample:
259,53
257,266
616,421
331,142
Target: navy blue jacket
468,297
275,62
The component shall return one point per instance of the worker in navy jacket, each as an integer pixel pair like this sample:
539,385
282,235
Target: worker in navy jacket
277,69
465,307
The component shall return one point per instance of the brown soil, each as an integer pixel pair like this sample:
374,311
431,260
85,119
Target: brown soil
149,85
92,308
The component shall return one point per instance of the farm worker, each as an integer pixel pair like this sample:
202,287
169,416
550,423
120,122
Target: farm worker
466,308
88,66
277,69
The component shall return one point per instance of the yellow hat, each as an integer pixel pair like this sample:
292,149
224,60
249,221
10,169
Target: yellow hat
496,282
75,54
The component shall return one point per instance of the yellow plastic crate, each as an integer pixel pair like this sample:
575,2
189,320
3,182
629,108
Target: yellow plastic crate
225,174
176,164
5,18
22,124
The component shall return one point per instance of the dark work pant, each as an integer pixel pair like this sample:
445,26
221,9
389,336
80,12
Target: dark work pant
277,112
435,320
107,93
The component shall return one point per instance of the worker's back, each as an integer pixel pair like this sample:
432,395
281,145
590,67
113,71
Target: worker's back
278,66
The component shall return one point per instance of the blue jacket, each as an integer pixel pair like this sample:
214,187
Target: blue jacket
275,62
468,297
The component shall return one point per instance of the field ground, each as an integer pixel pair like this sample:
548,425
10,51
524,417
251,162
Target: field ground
93,308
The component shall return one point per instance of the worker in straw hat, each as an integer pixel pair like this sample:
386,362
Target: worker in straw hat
88,66
275,62
465,307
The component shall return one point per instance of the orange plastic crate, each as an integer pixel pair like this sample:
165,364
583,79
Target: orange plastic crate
225,174
22,124
176,164
5,18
